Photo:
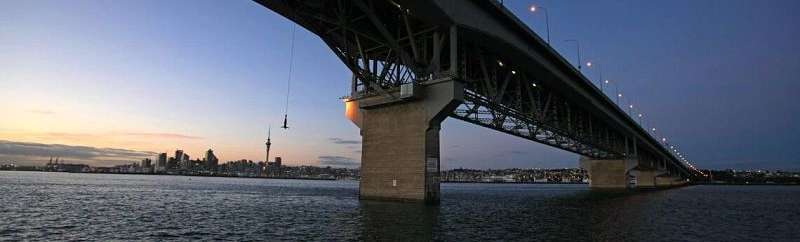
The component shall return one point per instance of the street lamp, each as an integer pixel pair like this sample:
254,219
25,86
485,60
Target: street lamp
546,19
578,43
630,110
599,72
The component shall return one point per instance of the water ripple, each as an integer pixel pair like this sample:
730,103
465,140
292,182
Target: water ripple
63,206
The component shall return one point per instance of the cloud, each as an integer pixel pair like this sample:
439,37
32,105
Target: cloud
163,135
34,153
338,161
340,141
41,111
85,136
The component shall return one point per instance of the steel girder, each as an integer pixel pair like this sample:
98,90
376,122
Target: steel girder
386,45
381,43
506,97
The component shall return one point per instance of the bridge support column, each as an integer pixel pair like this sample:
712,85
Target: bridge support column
669,181
665,181
646,179
607,174
400,141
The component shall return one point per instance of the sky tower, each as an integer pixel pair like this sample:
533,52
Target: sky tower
269,143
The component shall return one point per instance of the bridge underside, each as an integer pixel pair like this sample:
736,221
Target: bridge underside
416,62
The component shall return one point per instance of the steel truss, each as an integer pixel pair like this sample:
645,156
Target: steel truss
381,43
385,46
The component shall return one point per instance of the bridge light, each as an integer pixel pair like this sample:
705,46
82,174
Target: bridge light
513,72
654,129
619,95
588,64
533,8
500,63
606,81
631,106
640,115
534,84
663,139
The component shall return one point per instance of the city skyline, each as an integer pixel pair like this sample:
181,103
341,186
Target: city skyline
130,78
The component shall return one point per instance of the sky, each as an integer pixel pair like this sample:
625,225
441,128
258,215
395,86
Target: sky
109,82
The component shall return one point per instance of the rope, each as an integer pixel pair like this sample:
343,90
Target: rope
289,80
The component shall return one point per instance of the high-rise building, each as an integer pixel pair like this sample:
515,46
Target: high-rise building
179,155
161,163
274,168
186,163
146,163
179,161
211,160
172,163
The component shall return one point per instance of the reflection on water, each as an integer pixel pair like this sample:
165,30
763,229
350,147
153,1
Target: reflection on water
397,221
136,207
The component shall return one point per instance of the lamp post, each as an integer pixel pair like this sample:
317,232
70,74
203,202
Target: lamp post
599,72
630,111
546,19
619,94
579,50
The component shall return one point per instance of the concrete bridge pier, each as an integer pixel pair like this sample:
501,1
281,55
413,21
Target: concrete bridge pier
400,140
667,181
608,174
664,181
646,179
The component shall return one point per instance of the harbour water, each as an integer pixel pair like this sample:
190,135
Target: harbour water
66,206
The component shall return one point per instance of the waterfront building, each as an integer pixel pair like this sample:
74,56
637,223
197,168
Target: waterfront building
172,164
161,163
147,165
179,155
211,161
274,168
147,162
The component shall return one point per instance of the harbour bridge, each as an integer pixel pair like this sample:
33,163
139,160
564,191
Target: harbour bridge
417,62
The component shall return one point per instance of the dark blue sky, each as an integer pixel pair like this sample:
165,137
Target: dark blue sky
717,78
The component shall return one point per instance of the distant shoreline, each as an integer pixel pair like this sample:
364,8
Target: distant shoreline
496,182
188,175
744,184
454,182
